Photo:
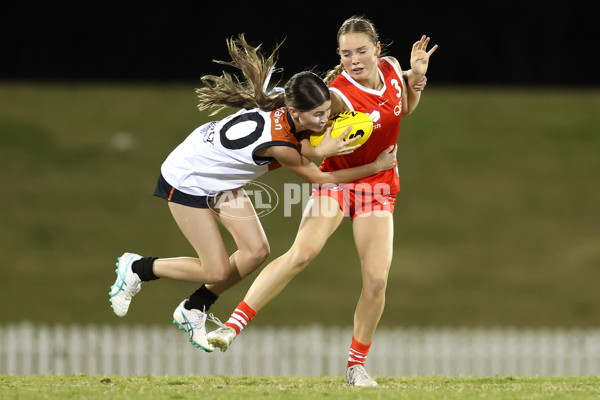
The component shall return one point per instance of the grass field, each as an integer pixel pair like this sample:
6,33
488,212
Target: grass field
496,224
245,388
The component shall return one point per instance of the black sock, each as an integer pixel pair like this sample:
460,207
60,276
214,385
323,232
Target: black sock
201,299
143,268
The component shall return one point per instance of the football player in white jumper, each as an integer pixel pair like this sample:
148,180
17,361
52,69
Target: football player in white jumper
203,178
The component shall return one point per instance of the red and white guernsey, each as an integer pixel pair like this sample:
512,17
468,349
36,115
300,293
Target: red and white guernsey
385,109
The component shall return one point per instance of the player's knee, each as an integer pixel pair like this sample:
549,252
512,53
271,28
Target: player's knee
301,257
375,286
221,273
215,270
253,257
261,253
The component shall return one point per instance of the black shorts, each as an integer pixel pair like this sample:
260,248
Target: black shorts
165,191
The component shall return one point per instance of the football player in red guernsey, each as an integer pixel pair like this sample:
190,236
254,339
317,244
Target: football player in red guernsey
203,181
363,81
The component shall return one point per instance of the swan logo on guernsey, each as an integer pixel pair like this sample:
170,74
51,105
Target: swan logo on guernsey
398,108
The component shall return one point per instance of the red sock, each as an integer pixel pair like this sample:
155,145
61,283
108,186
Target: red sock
358,353
240,317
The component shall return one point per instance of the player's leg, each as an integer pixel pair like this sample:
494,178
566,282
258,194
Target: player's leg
236,213
321,218
239,218
373,235
212,265
199,226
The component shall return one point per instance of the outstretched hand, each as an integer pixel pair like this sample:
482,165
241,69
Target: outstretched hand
419,57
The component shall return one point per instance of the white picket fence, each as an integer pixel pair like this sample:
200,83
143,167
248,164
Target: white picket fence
28,349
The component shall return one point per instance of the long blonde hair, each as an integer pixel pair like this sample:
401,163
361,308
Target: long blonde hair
358,24
219,92
303,91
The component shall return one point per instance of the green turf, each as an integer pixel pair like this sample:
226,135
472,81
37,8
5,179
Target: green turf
245,388
496,224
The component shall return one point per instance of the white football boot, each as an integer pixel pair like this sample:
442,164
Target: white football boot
193,322
222,337
127,285
356,375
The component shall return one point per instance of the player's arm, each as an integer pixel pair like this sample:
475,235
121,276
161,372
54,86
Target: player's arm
410,96
416,86
306,170
329,146
419,62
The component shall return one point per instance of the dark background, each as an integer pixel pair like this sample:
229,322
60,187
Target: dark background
525,43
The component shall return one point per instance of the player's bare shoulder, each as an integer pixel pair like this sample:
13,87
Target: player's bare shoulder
395,62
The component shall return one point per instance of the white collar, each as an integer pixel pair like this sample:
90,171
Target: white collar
364,88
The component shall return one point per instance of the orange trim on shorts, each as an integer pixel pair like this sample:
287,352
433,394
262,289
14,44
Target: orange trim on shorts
171,193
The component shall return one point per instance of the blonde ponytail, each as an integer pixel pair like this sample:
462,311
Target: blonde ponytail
331,75
219,92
